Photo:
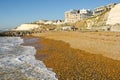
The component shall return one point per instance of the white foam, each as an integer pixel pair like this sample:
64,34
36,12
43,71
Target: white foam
16,59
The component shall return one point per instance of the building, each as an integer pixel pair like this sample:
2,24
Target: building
72,16
101,9
66,28
58,22
41,21
53,22
76,15
85,13
49,22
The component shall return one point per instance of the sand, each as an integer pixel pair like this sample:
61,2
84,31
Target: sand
104,43
71,63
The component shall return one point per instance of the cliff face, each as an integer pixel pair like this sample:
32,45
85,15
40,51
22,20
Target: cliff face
114,18
27,27
114,15
97,21
108,20
94,22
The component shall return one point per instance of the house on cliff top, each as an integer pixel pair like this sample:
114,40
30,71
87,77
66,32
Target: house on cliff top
72,16
101,9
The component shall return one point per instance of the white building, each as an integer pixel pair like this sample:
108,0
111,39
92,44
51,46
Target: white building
42,21
59,22
49,22
66,28
76,15
54,22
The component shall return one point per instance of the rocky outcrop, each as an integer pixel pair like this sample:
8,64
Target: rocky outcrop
27,27
115,27
18,62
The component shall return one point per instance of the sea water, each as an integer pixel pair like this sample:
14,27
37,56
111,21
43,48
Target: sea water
17,62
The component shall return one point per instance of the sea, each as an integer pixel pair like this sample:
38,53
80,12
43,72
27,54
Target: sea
2,29
19,61
7,43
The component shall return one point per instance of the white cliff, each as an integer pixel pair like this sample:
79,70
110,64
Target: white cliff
18,62
114,18
114,15
27,27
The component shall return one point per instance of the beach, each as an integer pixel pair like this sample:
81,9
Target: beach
104,43
79,55
17,62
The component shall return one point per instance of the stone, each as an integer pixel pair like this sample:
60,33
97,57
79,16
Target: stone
114,15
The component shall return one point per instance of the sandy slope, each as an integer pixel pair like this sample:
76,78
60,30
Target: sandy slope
105,43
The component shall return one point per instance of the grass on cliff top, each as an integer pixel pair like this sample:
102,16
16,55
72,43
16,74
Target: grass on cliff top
74,64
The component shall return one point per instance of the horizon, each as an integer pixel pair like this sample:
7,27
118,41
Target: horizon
14,12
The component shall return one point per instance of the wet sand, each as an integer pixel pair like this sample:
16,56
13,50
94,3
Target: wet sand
104,43
35,42
74,64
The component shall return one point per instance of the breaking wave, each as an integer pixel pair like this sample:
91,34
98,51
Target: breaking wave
18,62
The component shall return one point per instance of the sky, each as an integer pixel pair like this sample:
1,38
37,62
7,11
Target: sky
16,12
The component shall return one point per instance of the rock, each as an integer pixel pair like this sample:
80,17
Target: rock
114,18
115,28
114,15
17,62
23,27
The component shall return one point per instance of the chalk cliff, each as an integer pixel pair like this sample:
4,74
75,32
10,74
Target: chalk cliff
108,20
95,22
27,26
114,18
114,15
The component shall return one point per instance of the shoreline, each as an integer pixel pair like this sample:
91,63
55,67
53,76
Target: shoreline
17,62
103,43
69,63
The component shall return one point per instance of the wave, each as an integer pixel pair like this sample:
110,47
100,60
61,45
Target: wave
18,62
